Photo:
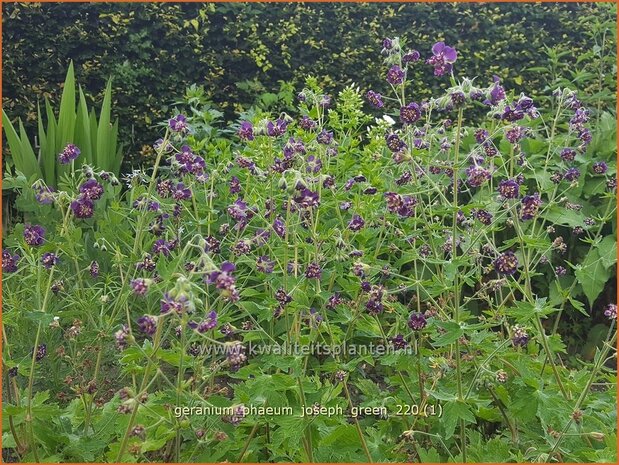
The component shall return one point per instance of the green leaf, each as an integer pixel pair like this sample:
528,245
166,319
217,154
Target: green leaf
592,275
453,332
453,412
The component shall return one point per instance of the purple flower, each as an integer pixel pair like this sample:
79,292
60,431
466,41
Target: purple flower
599,167
307,123
484,217
520,338
224,281
210,322
571,174
324,137
91,189
307,199
560,271
34,235
387,43
242,247
399,342
411,56
279,227
417,321
139,286
9,261
179,124
147,324
68,154
568,154
83,207
410,113
515,134
170,304
394,143
395,75
161,246
277,128
313,164
442,58
181,192
44,195
246,131
122,337
530,206
506,263
477,175
40,352
610,311
49,259
509,189
497,93
313,270
375,99
265,264
356,224
94,269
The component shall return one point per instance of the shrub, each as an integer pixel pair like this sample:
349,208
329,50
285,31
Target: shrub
442,247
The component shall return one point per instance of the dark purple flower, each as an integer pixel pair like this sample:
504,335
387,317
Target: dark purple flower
68,154
560,271
83,207
307,123
313,164
410,113
313,270
520,338
163,247
139,286
147,324
515,134
610,311
530,206
307,199
324,137
387,43
356,224
246,131
34,235
442,58
170,304
477,175
395,75
509,189
568,154
239,211
181,192
276,128
394,143
40,352
94,269
44,195
210,322
345,206
179,124
265,264
91,189
497,93
242,247
411,56
122,337
599,167
417,321
375,99
9,261
484,217
279,227
571,174
399,342
49,259
506,263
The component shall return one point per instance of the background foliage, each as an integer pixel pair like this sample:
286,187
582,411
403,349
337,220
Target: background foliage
258,54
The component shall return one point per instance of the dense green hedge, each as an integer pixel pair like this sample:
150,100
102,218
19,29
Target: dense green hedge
240,51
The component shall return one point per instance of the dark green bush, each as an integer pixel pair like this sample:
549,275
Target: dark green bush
242,53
